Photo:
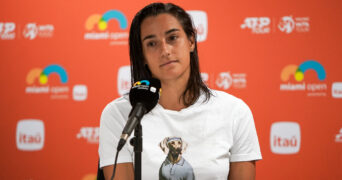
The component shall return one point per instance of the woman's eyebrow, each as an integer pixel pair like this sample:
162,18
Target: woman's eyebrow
167,32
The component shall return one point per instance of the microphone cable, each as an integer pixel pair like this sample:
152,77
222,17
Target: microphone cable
115,162
118,149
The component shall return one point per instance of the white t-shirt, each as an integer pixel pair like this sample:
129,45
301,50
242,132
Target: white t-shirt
197,142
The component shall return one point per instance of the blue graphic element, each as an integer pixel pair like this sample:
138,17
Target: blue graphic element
54,68
147,83
115,14
311,64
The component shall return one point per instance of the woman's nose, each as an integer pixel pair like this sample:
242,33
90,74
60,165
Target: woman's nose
165,49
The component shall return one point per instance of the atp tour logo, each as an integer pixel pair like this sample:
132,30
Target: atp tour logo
7,30
91,134
288,24
98,27
295,72
258,25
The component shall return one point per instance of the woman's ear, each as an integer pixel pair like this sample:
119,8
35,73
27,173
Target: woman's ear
192,43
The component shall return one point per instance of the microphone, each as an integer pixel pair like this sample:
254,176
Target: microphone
143,96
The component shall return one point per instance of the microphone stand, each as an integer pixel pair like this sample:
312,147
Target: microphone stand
137,143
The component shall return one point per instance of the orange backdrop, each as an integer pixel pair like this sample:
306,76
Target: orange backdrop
61,64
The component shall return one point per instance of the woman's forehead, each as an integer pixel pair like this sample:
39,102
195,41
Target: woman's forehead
159,24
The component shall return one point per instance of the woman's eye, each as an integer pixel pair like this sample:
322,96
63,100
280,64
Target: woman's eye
173,37
151,44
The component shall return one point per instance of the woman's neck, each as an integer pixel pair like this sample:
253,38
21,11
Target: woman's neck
171,95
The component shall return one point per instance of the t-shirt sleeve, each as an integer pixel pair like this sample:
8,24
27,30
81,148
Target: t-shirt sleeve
111,125
245,140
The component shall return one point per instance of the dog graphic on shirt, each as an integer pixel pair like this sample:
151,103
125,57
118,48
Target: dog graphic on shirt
175,167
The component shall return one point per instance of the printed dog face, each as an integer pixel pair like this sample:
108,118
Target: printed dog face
175,166
173,145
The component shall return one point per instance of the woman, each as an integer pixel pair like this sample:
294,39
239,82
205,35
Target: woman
193,132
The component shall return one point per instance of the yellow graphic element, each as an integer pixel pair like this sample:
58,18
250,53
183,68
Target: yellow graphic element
33,75
299,76
43,79
102,25
92,20
89,177
288,71
137,83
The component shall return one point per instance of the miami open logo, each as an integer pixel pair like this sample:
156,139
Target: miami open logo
142,82
37,80
42,75
102,27
293,77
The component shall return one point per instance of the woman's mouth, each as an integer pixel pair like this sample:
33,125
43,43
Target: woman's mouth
168,62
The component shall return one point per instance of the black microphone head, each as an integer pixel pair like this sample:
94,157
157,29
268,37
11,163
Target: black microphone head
146,92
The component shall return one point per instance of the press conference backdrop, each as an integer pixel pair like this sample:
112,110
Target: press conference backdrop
63,61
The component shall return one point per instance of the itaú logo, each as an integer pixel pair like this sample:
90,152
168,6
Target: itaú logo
200,20
124,80
285,138
30,135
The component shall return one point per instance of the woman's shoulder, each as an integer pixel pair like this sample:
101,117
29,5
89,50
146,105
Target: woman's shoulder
225,99
224,96
122,103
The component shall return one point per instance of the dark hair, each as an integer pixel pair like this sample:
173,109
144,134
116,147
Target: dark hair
138,69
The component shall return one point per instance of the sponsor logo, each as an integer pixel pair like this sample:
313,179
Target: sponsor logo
142,82
7,30
336,90
124,80
97,27
285,138
226,80
30,135
42,76
80,92
91,134
288,24
338,137
258,25
297,72
32,30
145,85
205,77
37,83
200,21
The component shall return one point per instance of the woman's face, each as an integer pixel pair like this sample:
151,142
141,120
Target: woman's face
166,47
